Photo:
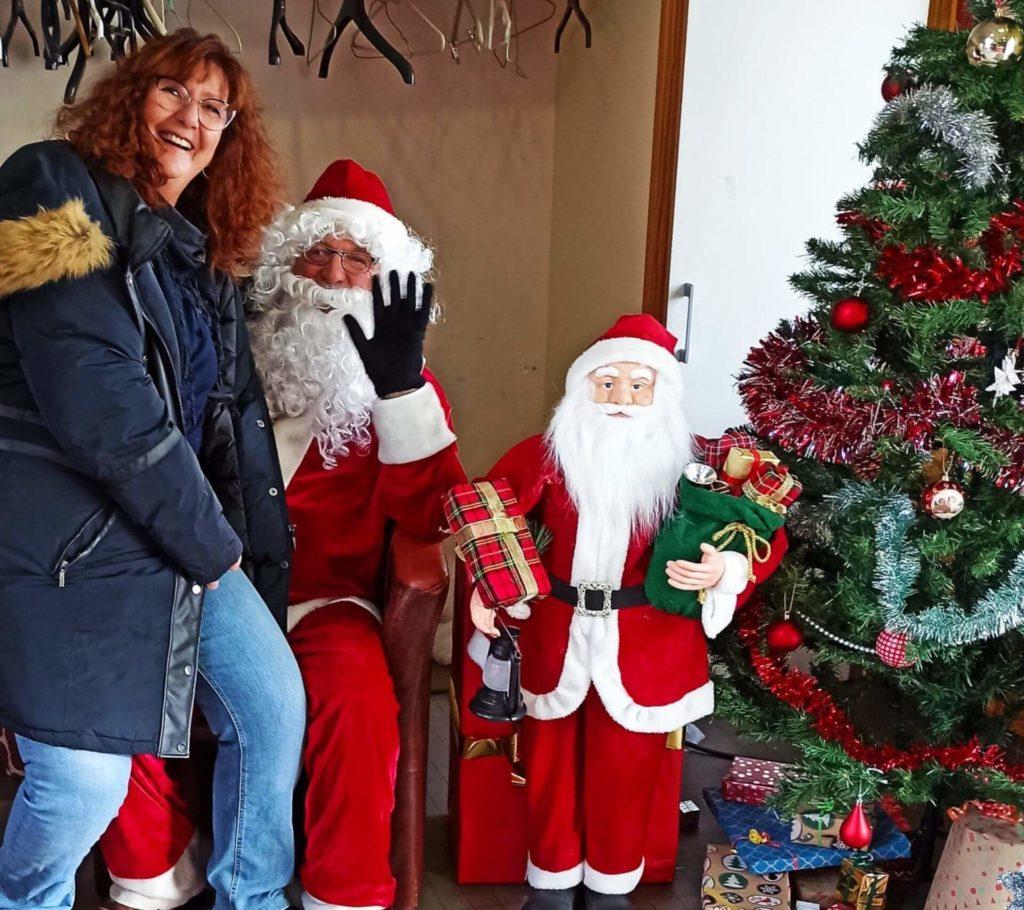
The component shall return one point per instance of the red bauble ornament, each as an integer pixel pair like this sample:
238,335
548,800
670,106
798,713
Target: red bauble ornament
891,648
851,314
893,86
783,635
856,832
889,385
944,499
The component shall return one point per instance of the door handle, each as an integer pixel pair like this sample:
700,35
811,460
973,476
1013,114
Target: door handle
685,293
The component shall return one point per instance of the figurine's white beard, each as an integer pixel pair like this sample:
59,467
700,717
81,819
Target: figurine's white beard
621,471
306,359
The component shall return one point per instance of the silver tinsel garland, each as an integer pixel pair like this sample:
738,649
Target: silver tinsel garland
971,134
898,564
1014,883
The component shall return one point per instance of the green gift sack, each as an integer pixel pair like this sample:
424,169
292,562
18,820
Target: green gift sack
729,522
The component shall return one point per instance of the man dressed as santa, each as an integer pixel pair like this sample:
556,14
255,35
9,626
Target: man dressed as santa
605,675
340,311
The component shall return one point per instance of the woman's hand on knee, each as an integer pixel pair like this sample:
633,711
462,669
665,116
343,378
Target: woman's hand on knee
213,585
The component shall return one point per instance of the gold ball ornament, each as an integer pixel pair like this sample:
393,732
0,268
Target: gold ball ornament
993,42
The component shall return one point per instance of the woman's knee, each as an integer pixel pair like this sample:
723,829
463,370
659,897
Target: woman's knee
75,780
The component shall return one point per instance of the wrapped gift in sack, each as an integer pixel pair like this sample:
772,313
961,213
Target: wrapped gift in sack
492,538
714,451
728,522
727,882
818,826
984,838
740,462
772,486
752,780
862,884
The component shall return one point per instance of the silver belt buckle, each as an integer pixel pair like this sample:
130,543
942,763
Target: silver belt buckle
581,598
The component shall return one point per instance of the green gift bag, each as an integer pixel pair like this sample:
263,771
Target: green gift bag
729,522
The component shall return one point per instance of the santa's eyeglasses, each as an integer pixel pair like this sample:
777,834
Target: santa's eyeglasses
355,263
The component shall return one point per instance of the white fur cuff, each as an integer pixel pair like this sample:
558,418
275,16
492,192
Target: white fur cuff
734,579
553,881
614,883
411,427
521,610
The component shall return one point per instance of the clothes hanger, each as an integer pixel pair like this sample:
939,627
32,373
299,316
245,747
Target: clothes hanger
362,51
219,15
17,15
49,19
572,6
279,20
354,11
474,33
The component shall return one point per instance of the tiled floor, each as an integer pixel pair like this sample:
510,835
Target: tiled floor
442,893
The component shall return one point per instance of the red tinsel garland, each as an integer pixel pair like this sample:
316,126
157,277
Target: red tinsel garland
925,274
811,421
801,691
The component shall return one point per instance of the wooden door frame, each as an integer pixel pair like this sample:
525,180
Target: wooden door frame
668,103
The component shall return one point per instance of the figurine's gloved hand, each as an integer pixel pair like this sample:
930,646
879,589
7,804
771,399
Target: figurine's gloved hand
393,357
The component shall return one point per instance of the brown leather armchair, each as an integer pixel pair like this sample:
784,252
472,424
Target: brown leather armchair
417,585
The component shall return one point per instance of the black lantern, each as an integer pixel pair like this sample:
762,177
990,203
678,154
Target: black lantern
500,698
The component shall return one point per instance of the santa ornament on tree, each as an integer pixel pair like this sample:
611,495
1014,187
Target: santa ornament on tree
605,675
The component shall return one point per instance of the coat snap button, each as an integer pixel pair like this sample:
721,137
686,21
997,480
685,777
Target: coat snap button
260,424
272,491
196,589
188,669
284,563
181,747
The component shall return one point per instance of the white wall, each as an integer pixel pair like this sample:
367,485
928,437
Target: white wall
775,97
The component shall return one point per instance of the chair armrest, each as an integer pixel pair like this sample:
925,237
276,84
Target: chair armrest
417,564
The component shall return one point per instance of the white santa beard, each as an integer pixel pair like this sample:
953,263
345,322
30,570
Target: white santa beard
621,473
307,360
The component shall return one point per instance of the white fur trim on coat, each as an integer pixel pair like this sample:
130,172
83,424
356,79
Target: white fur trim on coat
178,885
411,427
314,903
593,656
720,600
605,883
553,881
628,350
298,612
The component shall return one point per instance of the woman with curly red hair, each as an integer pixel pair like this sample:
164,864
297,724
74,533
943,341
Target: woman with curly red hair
138,480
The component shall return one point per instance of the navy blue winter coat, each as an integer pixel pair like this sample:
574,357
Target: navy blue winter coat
109,523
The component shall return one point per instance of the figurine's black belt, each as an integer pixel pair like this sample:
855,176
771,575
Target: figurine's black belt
598,599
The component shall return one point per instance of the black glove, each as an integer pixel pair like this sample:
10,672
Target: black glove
393,357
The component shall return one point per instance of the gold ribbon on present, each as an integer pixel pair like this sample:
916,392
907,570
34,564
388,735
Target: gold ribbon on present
487,746
988,808
500,524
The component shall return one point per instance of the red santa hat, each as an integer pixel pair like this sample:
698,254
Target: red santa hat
635,338
348,200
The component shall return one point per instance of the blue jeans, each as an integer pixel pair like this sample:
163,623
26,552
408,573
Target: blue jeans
251,694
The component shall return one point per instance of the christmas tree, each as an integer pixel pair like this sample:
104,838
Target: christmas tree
896,399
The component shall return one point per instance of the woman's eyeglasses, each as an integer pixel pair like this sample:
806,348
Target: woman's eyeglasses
172,96
355,263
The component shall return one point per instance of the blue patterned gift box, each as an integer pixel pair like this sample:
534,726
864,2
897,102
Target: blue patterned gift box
779,853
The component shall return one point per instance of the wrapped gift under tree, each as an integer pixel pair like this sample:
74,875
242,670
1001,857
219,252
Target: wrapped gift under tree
986,839
728,883
492,537
752,780
862,884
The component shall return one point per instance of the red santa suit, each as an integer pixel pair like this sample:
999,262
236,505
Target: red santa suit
343,515
602,691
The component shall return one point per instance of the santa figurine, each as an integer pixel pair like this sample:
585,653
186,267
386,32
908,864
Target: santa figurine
340,308
605,675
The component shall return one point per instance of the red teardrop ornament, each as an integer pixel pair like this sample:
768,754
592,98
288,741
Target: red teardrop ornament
855,831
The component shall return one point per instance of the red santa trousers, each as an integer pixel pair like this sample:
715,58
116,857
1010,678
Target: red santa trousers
591,784
350,761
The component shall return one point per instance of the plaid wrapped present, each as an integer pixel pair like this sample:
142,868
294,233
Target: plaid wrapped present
714,451
492,538
862,884
772,486
752,780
